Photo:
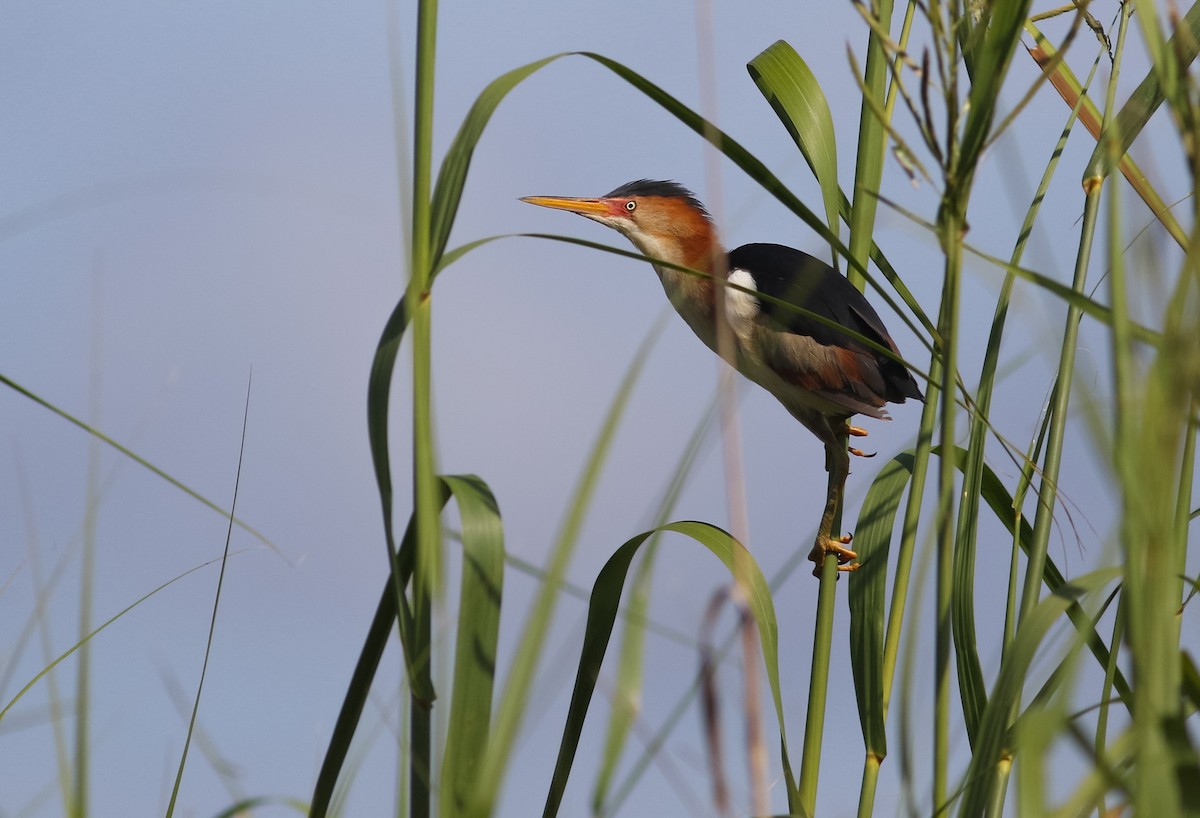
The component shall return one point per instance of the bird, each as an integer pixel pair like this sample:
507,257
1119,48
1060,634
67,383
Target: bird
821,374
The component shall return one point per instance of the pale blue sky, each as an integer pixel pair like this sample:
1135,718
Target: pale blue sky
192,190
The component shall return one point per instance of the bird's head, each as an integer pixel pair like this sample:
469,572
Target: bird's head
662,219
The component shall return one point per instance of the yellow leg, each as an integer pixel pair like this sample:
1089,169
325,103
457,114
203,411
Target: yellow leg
837,463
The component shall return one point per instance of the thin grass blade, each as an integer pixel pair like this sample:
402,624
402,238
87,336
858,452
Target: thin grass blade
94,632
212,623
136,458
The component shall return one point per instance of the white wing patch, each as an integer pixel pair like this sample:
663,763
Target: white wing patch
741,307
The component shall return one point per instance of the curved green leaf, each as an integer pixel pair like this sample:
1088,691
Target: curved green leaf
452,176
602,612
793,92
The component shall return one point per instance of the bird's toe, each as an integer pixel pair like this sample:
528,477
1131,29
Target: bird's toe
847,558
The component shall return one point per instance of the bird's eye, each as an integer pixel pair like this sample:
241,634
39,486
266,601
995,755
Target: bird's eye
631,205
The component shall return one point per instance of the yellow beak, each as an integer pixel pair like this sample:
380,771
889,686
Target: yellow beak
584,207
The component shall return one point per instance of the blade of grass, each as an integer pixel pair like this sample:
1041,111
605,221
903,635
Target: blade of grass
212,622
378,396
91,634
872,140
141,461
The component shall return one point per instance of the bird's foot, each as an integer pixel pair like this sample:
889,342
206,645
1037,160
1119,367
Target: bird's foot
860,452
847,559
855,431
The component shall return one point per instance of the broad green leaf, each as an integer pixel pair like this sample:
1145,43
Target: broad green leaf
379,389
475,644
972,689
793,92
602,611
867,596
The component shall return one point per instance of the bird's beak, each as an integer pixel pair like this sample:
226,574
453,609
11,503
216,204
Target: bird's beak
584,207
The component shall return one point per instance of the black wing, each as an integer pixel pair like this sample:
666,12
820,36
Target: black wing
797,278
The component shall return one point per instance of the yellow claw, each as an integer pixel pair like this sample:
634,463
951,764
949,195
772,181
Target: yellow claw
847,559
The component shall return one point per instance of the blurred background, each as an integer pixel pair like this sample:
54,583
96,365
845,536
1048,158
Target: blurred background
193,192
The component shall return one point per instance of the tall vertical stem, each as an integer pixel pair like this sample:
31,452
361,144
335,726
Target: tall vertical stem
952,228
425,501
